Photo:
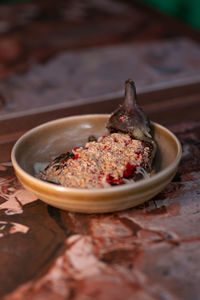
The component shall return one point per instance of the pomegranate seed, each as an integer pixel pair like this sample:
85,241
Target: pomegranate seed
138,152
111,180
120,181
75,157
129,170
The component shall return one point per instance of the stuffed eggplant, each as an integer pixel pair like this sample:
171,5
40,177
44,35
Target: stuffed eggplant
122,156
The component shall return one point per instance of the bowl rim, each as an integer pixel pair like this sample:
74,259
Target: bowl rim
96,191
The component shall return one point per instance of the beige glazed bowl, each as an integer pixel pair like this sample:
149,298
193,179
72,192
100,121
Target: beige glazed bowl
45,142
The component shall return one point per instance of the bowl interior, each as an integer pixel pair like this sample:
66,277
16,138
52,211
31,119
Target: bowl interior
45,142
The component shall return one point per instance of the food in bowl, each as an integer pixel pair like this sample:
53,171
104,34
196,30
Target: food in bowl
122,156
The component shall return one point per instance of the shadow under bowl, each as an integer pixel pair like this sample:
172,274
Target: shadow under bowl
45,142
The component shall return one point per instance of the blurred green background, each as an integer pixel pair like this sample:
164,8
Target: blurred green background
187,10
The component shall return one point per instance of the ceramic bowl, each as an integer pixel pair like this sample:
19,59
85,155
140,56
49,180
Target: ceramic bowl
45,142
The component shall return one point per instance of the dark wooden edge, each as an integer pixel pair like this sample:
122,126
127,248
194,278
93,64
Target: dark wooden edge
150,101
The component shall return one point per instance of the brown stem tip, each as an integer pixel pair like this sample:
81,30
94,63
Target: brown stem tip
129,117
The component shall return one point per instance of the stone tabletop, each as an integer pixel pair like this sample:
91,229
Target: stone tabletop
147,252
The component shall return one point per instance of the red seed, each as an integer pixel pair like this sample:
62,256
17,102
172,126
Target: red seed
138,152
75,148
120,181
129,170
111,180
105,147
75,157
101,173
121,118
64,161
115,140
86,148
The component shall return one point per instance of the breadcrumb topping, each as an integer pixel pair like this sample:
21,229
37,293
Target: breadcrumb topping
111,160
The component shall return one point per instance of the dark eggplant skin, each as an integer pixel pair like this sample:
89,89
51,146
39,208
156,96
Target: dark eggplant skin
60,161
129,118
